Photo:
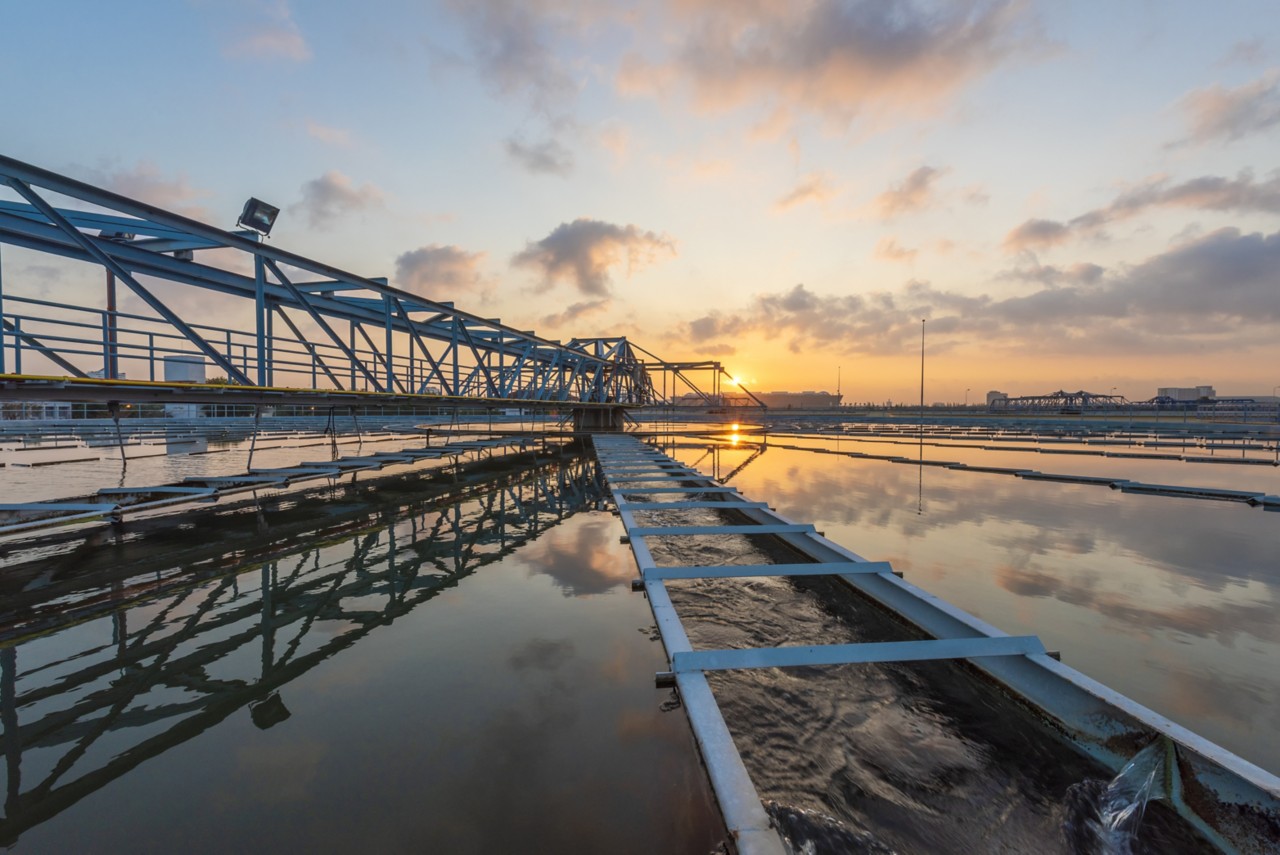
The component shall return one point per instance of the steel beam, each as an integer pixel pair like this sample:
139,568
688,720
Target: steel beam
123,275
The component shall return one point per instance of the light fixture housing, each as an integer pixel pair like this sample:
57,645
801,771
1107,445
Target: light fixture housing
258,216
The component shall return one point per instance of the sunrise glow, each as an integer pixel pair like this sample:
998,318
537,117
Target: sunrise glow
746,183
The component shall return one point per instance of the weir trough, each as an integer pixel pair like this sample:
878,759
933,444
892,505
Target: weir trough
1233,803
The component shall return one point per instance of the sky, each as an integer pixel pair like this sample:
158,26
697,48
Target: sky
1069,195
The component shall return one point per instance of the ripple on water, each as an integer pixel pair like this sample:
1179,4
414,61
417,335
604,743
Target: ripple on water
914,757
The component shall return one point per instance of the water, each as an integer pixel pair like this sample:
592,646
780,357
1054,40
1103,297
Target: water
420,662
1175,602
406,665
1106,817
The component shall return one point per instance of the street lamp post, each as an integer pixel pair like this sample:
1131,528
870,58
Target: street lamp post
922,379
966,397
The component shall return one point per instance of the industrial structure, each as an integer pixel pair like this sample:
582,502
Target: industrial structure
328,338
1202,401
319,335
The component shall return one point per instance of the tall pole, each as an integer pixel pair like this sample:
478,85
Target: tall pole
920,472
922,377
2,369
112,369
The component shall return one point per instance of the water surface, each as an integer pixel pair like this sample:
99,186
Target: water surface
384,670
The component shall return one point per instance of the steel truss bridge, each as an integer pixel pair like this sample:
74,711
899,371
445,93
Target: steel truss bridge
314,334
367,568
1059,401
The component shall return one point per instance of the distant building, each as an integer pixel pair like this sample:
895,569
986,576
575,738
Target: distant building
1187,393
994,397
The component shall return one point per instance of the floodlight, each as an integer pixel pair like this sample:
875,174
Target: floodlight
116,235
259,216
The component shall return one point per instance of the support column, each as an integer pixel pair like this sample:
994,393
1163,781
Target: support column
2,327
599,419
261,320
111,366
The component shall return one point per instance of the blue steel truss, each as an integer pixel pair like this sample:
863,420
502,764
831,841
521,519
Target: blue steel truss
315,327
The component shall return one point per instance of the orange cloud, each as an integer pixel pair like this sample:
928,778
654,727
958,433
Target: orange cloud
889,250
814,187
914,193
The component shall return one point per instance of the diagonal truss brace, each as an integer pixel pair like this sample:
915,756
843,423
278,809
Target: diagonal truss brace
319,320
124,276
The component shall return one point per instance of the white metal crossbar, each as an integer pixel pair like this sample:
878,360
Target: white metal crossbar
685,506
694,530
746,570
848,654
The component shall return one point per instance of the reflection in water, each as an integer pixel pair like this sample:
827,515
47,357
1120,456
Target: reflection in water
579,560
138,672
1174,602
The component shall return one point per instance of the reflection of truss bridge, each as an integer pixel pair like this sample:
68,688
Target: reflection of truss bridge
157,684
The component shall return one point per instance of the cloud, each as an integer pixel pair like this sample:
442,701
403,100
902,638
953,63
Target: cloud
814,187
584,251
1036,234
273,34
1225,274
576,311
830,58
915,193
145,183
714,326
1211,193
430,270
1222,622
889,250
542,654
1220,291
1080,273
332,195
1218,113
1246,52
975,195
547,157
512,49
339,137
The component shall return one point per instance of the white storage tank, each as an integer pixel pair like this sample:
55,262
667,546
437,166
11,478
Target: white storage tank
180,368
